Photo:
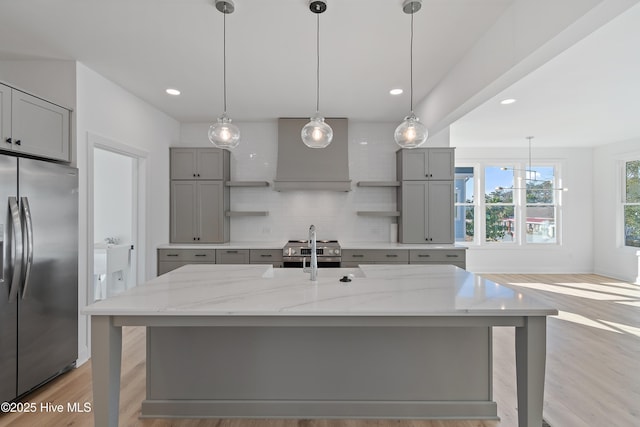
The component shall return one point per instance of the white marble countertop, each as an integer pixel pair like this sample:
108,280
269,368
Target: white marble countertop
376,290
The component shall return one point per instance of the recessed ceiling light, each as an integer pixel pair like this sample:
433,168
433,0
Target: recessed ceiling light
363,143
395,91
174,92
507,101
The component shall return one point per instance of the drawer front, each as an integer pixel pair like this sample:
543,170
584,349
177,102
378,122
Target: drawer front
232,256
265,256
196,255
376,255
448,256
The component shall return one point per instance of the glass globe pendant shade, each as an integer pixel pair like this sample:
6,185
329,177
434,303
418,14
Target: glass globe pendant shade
316,133
224,134
411,133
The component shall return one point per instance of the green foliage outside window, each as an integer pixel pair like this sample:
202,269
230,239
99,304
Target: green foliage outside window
632,205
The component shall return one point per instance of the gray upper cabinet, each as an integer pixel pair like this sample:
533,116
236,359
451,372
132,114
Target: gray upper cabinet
427,212
199,163
30,125
421,164
5,116
199,198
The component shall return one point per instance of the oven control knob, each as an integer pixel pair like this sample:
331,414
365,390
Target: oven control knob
336,251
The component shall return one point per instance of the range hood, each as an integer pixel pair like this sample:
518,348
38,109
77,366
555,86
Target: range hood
303,168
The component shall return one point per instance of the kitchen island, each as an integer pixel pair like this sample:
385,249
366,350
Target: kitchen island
397,341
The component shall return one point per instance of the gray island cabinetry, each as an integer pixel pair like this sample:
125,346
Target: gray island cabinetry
253,341
199,198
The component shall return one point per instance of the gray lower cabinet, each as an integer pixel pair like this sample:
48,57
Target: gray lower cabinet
198,212
170,259
455,257
232,256
353,257
427,212
266,256
30,125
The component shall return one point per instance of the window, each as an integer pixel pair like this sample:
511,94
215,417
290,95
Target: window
520,206
500,224
465,208
631,204
541,204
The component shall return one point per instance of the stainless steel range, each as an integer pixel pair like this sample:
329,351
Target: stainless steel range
297,251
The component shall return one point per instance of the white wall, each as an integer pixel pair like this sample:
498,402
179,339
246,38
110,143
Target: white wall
612,258
54,81
575,255
105,109
113,196
291,213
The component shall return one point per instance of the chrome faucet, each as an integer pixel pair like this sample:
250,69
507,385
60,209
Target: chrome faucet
313,266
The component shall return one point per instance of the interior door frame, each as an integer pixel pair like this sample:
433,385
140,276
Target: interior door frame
139,193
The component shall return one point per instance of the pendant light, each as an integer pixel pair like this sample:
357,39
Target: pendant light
224,134
530,176
411,133
317,133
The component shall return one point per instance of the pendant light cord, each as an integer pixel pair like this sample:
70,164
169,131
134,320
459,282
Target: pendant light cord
411,61
317,63
224,56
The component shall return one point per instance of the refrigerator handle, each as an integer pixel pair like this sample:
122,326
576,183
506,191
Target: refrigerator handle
14,247
28,232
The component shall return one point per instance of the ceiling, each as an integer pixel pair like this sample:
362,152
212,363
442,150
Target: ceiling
585,96
147,46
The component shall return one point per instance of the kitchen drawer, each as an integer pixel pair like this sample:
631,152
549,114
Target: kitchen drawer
232,256
447,256
195,255
376,255
265,256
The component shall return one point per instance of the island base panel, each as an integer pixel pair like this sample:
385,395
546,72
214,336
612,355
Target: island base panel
377,372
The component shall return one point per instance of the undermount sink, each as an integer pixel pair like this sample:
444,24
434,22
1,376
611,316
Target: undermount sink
323,273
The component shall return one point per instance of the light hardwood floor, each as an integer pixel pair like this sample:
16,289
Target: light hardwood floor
593,367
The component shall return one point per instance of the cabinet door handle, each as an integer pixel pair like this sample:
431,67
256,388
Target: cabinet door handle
231,252
194,175
18,142
8,140
357,256
172,254
201,255
423,256
452,256
392,256
265,255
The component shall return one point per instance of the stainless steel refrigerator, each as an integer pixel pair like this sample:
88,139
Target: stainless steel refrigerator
38,273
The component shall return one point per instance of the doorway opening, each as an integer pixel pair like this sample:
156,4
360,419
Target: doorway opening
117,239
